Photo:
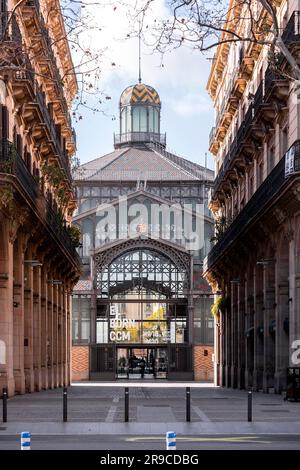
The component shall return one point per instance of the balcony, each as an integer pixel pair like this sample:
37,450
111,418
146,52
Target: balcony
42,42
274,84
260,202
138,137
12,164
54,136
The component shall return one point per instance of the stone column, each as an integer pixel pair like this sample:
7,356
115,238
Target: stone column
44,328
28,323
6,310
50,297
234,333
241,335
258,330
37,331
18,316
282,337
60,335
228,352
64,333
222,349
55,335
294,308
269,337
249,320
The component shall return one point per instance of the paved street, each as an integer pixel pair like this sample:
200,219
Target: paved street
150,405
96,419
123,442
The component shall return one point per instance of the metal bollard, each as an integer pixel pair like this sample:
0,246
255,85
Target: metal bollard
188,403
25,440
126,404
65,405
171,440
249,406
4,405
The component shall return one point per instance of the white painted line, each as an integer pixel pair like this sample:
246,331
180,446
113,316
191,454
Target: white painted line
111,414
201,414
145,385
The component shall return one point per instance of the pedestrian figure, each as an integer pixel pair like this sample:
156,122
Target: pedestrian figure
142,366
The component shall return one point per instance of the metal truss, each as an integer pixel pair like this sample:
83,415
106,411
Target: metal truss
137,265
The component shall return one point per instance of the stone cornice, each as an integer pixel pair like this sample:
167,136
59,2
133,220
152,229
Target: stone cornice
55,21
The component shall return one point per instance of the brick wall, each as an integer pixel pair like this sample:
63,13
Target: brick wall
203,365
80,363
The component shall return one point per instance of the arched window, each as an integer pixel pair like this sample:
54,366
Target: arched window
141,269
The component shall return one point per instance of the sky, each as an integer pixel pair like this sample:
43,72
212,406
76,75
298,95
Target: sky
187,113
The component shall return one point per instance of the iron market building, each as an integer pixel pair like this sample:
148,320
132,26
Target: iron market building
142,307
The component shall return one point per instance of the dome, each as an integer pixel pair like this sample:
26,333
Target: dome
139,94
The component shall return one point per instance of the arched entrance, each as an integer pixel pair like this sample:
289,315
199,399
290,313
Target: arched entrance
141,312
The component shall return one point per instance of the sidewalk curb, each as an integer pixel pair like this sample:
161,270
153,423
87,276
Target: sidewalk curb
75,428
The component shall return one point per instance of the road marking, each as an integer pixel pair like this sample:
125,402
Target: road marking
201,414
237,439
116,399
111,414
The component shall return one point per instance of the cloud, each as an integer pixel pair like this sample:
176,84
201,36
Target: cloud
179,69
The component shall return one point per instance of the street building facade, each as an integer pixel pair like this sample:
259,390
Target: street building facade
254,266
141,309
38,259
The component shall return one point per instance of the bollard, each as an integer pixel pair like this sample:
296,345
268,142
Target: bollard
126,404
249,406
171,440
188,404
25,440
65,405
4,405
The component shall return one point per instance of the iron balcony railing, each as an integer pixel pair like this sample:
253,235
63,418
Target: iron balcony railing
259,202
12,163
258,101
55,138
139,137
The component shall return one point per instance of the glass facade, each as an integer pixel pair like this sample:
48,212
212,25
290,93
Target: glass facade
141,118
141,317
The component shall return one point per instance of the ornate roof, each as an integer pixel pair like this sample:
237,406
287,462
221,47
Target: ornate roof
139,94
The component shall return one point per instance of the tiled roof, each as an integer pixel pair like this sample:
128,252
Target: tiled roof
83,285
142,163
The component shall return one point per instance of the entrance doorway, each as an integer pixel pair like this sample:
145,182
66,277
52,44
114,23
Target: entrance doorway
142,363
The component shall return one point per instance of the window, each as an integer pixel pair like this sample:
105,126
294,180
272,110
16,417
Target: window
203,321
81,319
140,119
